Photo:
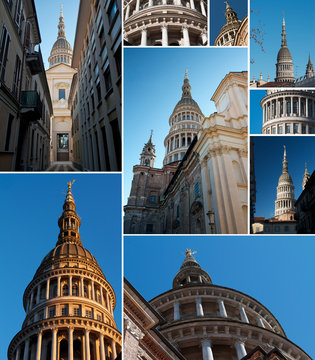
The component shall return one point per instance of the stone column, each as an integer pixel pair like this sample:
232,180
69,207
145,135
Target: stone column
39,346
114,353
240,349
150,3
176,311
26,349
199,307
54,345
306,107
291,112
38,294
204,37
47,289
143,37
206,350
192,4
102,299
202,6
299,112
93,290
164,35
17,354
58,286
70,285
101,339
138,5
243,314
70,343
108,301
31,301
186,35
222,308
127,12
82,287
87,344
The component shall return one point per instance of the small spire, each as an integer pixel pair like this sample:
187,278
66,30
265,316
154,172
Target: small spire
284,162
186,86
283,35
61,25
305,177
230,14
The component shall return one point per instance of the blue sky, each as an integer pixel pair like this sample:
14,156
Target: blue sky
266,16
268,155
217,11
31,206
256,112
285,271
48,13
153,86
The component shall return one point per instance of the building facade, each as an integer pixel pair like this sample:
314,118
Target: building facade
234,32
25,103
208,322
97,58
69,303
288,112
202,187
165,22
59,77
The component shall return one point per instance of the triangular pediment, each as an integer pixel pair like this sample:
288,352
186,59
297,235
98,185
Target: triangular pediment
61,68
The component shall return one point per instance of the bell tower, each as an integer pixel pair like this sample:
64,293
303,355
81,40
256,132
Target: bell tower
147,157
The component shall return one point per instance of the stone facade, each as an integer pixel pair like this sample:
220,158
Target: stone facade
209,322
97,57
206,191
59,77
165,22
25,103
69,303
288,112
234,32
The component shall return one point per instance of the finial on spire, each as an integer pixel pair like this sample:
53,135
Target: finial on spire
189,252
70,183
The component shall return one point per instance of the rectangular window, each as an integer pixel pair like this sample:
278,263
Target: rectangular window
287,129
152,199
99,92
303,129
117,57
197,189
18,13
16,75
62,94
4,50
52,311
295,128
280,131
64,311
99,317
108,79
88,314
76,312
112,11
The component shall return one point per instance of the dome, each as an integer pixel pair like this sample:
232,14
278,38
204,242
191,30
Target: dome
284,54
61,44
285,177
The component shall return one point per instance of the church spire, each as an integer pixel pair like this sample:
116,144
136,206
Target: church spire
309,68
147,157
69,222
61,25
283,35
230,14
284,162
305,177
191,273
186,87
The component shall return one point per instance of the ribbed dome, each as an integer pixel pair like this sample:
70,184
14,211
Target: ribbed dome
187,101
61,44
284,54
285,177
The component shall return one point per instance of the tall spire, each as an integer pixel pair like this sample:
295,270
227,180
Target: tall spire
230,14
191,273
69,222
61,25
309,68
284,162
305,177
283,35
147,157
186,87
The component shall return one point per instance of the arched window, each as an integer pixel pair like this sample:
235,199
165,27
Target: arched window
65,290
75,290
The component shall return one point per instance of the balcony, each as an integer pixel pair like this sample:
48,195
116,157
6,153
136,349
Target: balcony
34,61
31,106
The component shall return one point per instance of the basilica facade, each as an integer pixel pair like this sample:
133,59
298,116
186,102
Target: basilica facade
202,187
59,77
203,321
69,303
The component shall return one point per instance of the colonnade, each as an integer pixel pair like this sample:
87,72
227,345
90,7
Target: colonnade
185,115
103,348
284,205
68,285
178,141
226,38
135,6
222,311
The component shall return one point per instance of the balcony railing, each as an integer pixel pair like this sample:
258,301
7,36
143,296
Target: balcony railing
34,61
31,105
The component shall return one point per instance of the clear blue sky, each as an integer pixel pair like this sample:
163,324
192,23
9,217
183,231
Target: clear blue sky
268,155
277,271
48,13
266,15
31,206
256,112
217,18
153,86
